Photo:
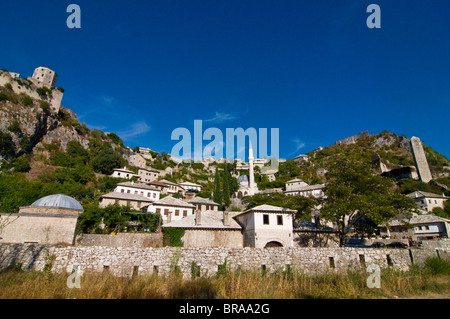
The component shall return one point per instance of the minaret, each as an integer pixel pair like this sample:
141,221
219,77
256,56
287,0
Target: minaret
251,182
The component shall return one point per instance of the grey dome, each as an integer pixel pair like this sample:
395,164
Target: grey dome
59,201
243,178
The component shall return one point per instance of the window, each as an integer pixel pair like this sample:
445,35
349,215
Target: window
279,219
158,211
166,211
266,219
154,195
184,213
427,227
177,212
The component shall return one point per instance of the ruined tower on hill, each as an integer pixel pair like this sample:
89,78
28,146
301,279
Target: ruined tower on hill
421,160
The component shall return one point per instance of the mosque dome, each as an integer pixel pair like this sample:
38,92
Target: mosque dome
58,201
243,178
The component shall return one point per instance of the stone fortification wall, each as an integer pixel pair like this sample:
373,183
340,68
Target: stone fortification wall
126,261
30,89
129,240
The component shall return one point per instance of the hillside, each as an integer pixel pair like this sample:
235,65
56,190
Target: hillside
390,154
58,153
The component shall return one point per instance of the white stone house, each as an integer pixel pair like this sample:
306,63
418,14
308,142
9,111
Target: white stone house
142,189
301,158
171,208
204,204
427,201
306,190
188,186
417,227
267,226
124,173
210,229
260,227
294,184
147,175
163,187
135,195
173,188
134,201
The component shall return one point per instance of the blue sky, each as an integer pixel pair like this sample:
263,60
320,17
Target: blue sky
313,69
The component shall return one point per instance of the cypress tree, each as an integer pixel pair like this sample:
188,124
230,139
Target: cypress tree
217,188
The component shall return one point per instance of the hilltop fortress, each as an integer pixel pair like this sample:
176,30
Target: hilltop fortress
40,86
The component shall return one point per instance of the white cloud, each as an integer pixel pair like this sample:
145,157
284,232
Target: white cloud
221,117
135,130
298,146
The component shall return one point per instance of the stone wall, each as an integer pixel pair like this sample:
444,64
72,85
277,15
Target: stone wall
41,229
55,101
126,261
218,238
128,240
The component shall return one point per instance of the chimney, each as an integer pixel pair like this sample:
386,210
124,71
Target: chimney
189,196
169,217
226,218
198,217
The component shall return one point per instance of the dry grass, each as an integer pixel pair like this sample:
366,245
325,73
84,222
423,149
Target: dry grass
417,283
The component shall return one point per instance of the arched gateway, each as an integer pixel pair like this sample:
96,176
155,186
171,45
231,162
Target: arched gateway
273,243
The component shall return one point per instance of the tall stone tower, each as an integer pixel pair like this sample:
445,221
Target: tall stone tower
421,160
46,76
251,183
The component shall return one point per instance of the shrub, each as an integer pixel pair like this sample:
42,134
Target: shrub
8,86
106,161
6,144
115,139
21,164
45,106
437,266
3,96
14,127
26,100
172,236
41,91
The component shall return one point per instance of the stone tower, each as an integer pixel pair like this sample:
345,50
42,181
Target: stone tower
45,76
421,160
251,183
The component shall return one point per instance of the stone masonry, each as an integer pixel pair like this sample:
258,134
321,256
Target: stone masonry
146,261
421,160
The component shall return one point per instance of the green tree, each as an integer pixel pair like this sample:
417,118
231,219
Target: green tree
303,205
353,189
6,145
74,149
107,160
226,187
217,197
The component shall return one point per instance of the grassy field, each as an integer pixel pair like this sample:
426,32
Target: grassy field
429,281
